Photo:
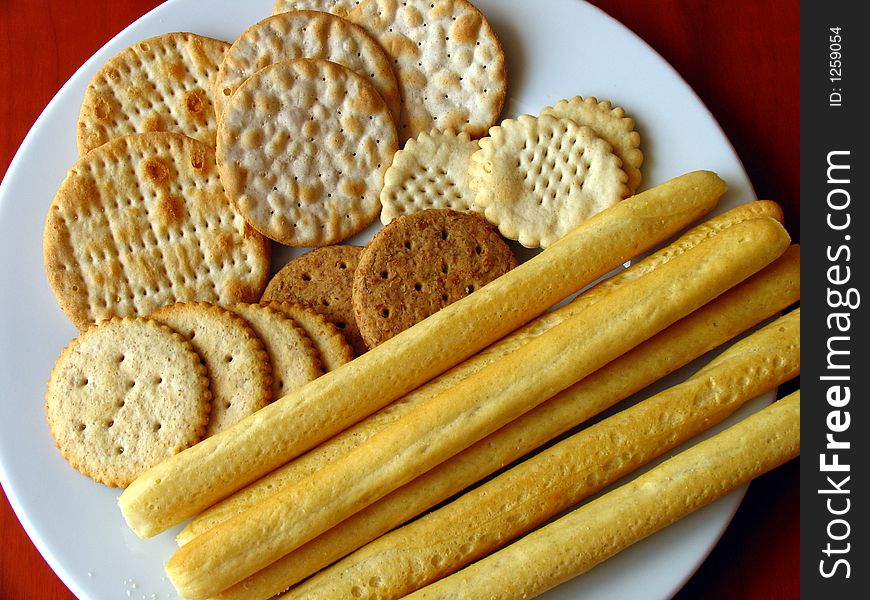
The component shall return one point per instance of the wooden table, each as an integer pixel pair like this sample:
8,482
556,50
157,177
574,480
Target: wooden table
742,58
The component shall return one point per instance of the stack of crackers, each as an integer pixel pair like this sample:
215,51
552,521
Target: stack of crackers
198,155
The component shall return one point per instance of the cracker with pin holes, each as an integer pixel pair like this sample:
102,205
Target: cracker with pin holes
336,7
125,395
302,148
420,263
294,359
609,123
331,345
538,178
238,366
143,221
431,171
448,60
306,34
322,280
163,83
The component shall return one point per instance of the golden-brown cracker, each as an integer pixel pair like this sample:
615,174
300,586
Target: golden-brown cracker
336,7
302,149
163,83
322,280
294,359
125,395
420,263
539,178
431,171
306,34
449,62
610,124
142,222
238,365
331,345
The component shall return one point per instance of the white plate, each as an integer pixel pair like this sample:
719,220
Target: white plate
556,49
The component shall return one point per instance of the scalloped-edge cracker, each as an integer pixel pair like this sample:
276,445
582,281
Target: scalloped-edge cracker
125,395
330,343
336,7
431,171
609,123
537,178
163,83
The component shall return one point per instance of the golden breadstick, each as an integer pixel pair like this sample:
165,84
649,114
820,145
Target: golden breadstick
765,293
593,533
474,408
195,479
522,498
343,443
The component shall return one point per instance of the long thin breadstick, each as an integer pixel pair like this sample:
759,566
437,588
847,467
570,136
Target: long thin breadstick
195,479
593,533
523,497
343,443
474,408
769,291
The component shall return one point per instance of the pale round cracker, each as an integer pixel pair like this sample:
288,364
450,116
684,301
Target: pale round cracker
294,359
330,343
163,83
449,62
431,171
238,365
142,222
539,178
302,149
336,7
125,395
306,34
610,124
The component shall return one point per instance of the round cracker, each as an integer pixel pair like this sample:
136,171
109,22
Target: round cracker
448,60
431,171
163,83
238,365
611,125
125,395
322,280
141,222
420,263
306,34
331,345
302,149
538,178
294,359
335,7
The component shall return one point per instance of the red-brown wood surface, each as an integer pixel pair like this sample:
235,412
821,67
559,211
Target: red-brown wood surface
742,58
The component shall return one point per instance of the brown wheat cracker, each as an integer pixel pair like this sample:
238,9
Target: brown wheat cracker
238,366
336,7
163,83
431,171
302,149
125,395
294,359
306,34
610,124
142,222
420,263
449,62
321,279
331,345
538,178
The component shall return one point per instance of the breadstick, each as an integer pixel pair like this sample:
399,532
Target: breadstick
195,479
593,533
767,292
474,408
344,442
522,498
